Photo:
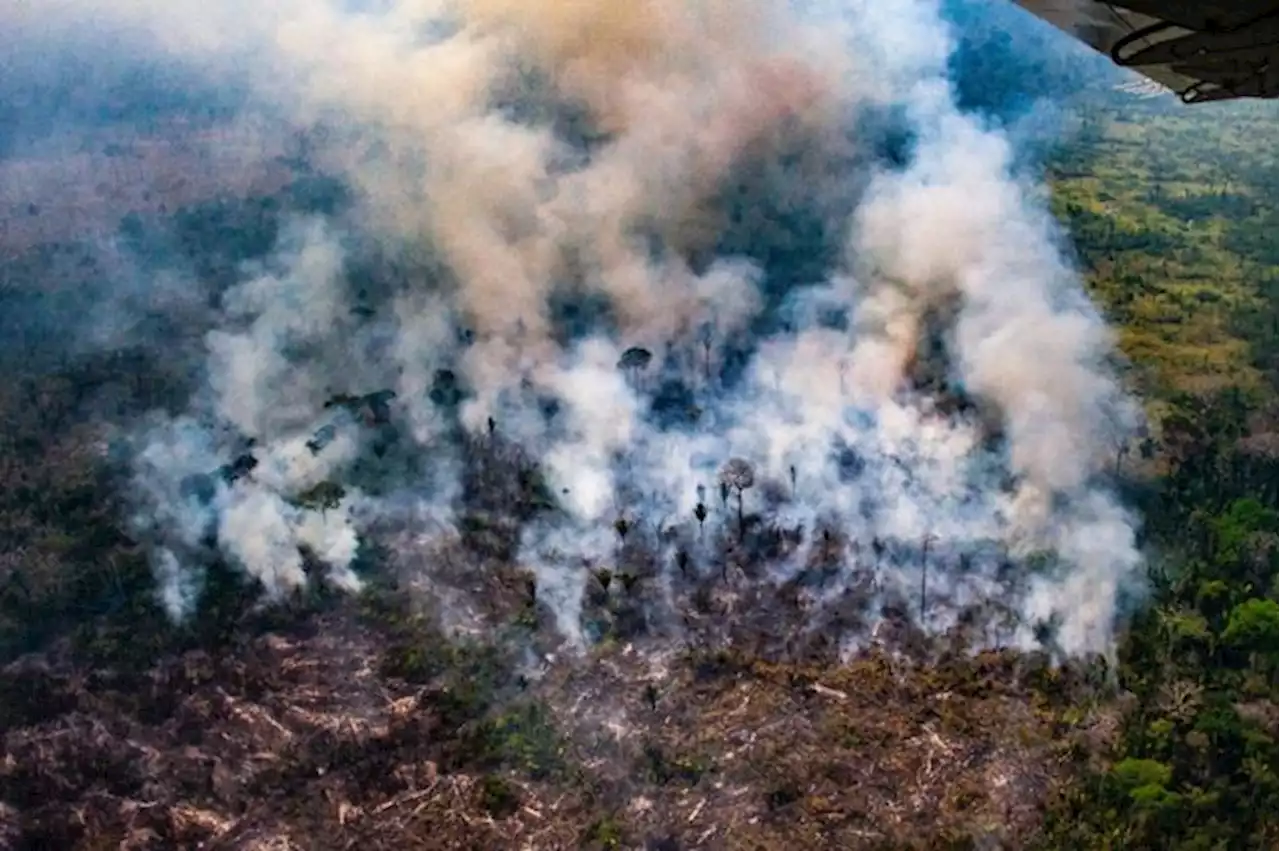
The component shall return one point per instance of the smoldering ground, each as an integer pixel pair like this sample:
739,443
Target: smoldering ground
727,301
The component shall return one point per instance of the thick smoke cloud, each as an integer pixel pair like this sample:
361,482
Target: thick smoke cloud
931,388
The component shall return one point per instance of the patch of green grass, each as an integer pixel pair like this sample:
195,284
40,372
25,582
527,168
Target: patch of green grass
498,796
604,834
663,768
522,738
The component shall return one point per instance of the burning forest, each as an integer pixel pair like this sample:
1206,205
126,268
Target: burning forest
623,404
637,293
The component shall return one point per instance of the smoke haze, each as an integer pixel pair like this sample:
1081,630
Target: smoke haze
835,274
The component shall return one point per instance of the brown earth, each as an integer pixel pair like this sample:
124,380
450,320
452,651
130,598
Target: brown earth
334,732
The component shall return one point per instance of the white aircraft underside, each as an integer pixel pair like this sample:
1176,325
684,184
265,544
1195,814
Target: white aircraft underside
1204,51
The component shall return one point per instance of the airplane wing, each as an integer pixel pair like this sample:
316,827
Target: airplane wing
1204,51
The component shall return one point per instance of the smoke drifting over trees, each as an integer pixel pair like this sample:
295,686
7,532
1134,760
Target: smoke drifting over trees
602,259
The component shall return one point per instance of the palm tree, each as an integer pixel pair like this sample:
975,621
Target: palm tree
739,475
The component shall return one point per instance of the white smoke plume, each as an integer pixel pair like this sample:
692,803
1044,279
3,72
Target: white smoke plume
640,156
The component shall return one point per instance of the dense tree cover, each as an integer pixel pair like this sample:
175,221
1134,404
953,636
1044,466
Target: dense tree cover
1173,215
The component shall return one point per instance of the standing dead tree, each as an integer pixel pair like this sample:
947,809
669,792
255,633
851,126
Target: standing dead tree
738,475
634,361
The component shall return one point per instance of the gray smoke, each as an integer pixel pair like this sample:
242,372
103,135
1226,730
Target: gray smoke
650,157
